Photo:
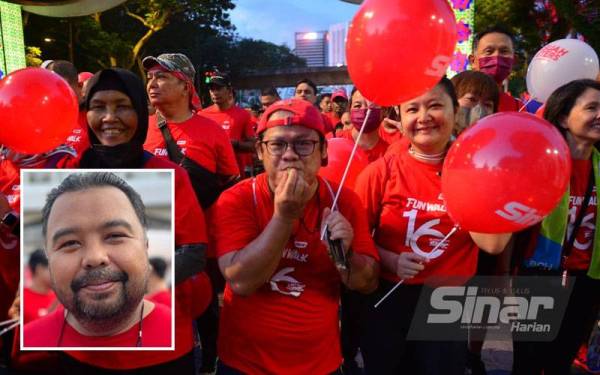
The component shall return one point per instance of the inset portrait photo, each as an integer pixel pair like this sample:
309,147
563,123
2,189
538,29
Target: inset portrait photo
97,259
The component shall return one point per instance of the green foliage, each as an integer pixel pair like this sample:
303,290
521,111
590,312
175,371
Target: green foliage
32,56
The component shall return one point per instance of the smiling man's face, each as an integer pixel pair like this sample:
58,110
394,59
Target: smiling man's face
97,254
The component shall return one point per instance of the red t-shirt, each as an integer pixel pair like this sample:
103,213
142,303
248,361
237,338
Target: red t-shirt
238,125
290,325
403,198
372,154
389,137
46,331
189,229
581,253
199,138
35,305
332,117
79,137
328,123
10,186
162,296
540,111
508,103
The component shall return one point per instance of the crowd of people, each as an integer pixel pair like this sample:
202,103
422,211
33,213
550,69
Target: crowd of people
278,270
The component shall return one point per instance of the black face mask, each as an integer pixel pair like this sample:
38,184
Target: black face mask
126,155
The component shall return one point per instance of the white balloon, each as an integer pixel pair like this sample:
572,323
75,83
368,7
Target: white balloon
558,63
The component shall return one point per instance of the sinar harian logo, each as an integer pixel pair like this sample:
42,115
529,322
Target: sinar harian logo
463,304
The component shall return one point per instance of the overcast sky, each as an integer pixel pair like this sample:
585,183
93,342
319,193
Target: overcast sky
276,21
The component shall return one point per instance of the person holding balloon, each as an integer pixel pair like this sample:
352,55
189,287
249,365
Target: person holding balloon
402,195
49,110
567,243
370,141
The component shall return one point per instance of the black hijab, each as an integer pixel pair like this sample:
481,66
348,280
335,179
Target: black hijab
126,155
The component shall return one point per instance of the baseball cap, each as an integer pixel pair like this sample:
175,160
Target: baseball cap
341,93
305,114
181,67
173,62
220,79
46,64
84,76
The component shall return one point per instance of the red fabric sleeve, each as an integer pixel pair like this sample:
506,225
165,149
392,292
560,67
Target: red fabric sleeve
369,188
190,226
154,138
249,127
226,162
234,222
362,242
327,123
201,290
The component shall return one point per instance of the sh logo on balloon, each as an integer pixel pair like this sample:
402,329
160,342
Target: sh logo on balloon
519,213
438,66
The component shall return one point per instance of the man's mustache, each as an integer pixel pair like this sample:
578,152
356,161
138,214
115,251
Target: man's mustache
98,276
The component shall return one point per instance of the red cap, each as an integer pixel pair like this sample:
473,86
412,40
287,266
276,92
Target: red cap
305,114
341,93
84,76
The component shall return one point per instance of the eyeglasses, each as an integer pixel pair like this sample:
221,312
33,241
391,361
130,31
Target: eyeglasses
304,147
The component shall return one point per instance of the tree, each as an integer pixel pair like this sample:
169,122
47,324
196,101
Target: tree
112,39
250,55
122,36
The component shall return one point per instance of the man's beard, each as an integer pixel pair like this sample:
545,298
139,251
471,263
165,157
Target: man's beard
95,309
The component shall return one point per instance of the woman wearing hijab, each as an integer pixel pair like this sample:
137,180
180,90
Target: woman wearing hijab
117,116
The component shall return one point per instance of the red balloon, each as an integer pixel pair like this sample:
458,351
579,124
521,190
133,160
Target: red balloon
338,154
505,173
399,49
38,110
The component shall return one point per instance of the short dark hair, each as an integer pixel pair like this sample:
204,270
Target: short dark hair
83,181
323,96
37,258
493,29
478,83
65,69
308,82
269,91
159,266
562,101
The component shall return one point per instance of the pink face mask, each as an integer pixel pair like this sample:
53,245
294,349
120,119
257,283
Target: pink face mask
498,67
357,116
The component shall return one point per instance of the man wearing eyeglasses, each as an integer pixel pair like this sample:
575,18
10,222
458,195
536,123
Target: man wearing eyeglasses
280,312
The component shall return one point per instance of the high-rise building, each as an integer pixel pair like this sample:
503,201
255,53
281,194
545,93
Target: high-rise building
336,44
312,47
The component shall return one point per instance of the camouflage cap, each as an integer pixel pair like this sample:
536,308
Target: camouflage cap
173,62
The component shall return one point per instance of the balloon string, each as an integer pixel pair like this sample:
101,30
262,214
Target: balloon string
431,252
10,327
343,180
8,322
531,98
